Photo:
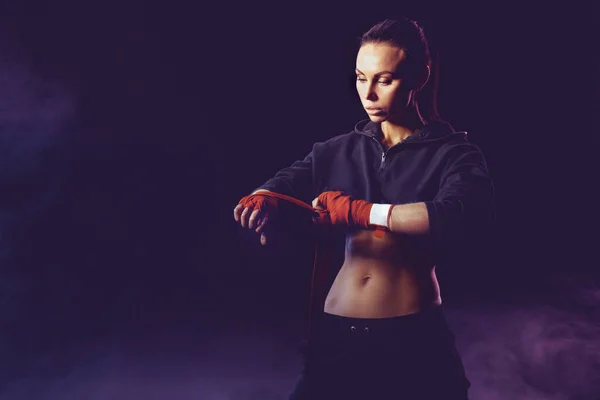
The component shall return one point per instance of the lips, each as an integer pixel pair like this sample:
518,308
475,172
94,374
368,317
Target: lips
373,110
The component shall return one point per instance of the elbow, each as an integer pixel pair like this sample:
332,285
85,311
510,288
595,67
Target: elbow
446,219
454,225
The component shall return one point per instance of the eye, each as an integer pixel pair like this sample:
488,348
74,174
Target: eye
384,82
359,79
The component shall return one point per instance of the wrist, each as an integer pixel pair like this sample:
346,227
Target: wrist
261,190
380,215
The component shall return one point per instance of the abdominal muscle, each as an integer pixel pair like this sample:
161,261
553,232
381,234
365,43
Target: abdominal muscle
382,278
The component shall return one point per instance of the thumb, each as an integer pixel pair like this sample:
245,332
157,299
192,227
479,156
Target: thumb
317,204
263,239
322,218
322,199
326,199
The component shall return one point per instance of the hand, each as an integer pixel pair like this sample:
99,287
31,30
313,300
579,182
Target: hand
342,210
254,212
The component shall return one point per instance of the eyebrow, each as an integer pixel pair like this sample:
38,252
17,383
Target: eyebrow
379,73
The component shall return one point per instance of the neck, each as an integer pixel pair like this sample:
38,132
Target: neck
395,131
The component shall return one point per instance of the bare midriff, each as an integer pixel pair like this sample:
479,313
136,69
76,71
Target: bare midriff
382,277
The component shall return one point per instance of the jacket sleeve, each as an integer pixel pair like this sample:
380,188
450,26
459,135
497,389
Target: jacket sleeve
295,180
462,213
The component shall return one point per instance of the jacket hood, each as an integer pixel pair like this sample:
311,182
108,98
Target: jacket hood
433,131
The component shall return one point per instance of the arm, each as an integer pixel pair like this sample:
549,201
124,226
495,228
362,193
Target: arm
462,210
410,219
261,190
295,180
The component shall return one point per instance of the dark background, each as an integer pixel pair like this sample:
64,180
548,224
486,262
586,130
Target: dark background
129,131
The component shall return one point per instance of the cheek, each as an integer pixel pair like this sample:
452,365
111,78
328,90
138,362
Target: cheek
388,96
398,98
360,89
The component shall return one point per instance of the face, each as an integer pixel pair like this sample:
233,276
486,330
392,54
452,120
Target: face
379,83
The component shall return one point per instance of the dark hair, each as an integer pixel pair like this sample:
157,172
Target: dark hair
409,36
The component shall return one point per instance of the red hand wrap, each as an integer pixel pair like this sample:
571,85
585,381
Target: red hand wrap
267,205
268,202
344,210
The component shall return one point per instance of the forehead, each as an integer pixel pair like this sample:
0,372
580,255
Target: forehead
375,57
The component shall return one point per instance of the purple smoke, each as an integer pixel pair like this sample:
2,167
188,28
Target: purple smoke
530,353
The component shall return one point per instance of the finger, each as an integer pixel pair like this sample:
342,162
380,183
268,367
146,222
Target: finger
244,217
253,217
322,200
261,224
263,239
317,205
237,212
322,219
315,220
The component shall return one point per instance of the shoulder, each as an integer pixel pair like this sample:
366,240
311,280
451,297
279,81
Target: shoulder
338,141
459,146
461,155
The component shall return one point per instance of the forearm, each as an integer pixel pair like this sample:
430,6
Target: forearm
295,180
410,219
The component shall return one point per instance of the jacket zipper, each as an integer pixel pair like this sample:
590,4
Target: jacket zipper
383,153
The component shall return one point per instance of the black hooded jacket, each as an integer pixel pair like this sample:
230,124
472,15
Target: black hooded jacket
435,165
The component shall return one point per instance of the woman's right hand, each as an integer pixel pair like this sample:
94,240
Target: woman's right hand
255,217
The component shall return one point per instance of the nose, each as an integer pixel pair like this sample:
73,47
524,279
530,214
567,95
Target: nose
371,95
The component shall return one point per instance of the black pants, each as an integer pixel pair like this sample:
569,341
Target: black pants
411,357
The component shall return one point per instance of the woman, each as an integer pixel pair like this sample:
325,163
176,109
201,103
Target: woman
382,332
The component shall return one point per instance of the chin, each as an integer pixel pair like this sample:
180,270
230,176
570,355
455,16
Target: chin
377,118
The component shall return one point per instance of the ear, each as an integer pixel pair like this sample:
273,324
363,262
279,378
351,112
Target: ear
423,78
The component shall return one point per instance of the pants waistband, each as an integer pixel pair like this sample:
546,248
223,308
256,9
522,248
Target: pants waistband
428,320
